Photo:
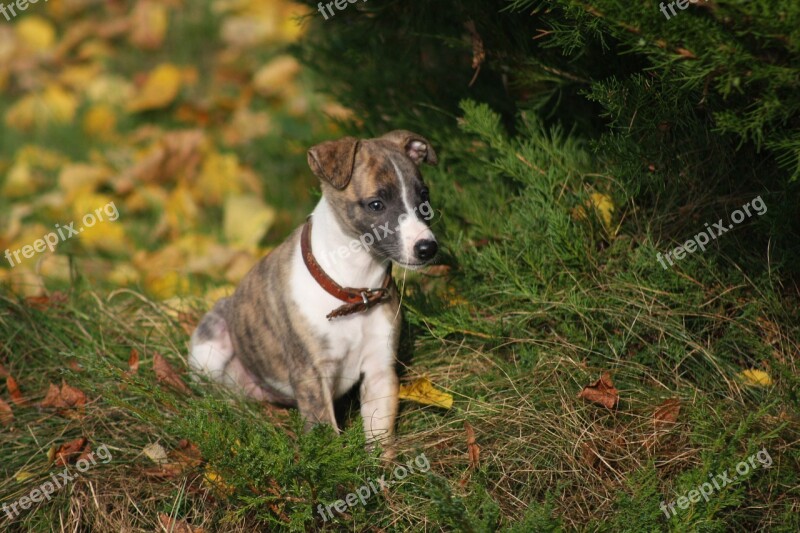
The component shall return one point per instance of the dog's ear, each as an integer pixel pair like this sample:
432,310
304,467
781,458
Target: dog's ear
333,161
415,146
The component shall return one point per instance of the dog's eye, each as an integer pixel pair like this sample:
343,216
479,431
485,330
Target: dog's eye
425,195
375,205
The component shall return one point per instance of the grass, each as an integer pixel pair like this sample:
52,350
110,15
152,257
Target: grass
531,303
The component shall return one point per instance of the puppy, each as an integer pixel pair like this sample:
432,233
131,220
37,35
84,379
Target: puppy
321,312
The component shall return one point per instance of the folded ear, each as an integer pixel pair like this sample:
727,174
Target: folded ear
333,161
415,146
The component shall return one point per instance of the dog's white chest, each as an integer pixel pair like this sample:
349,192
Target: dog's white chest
350,344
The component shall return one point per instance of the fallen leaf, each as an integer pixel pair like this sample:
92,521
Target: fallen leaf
64,399
667,413
100,121
273,78
54,299
602,392
755,378
21,180
216,482
159,91
133,361
473,450
22,475
148,24
54,105
186,456
422,391
36,33
74,449
156,453
246,220
15,393
6,414
167,375
220,177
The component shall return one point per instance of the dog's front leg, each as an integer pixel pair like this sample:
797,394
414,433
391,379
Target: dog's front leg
314,397
379,387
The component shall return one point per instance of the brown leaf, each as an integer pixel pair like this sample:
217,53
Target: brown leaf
473,449
87,454
6,414
167,375
173,525
64,399
15,393
52,398
602,392
187,453
133,361
45,302
667,413
478,50
186,456
69,451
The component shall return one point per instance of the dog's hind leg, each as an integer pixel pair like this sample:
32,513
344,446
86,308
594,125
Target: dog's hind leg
211,353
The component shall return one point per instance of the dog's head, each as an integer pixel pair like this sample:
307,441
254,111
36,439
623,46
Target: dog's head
377,192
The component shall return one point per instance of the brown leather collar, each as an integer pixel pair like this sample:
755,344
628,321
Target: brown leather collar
358,300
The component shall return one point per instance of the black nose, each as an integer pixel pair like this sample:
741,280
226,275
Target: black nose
425,249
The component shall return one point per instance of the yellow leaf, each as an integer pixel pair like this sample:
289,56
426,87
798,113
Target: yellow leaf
274,78
22,475
100,121
214,295
160,89
96,219
604,206
124,274
20,181
36,33
110,89
79,77
219,177
149,24
215,481
246,220
422,391
52,106
76,179
600,204
168,285
755,378
180,211
41,157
